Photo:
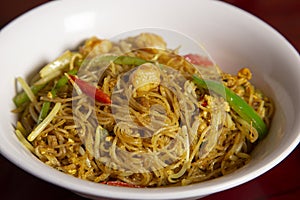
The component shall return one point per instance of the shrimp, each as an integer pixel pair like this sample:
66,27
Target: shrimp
145,78
96,46
149,40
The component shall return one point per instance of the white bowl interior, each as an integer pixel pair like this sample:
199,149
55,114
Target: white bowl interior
233,38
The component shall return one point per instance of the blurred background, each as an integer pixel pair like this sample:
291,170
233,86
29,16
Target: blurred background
281,183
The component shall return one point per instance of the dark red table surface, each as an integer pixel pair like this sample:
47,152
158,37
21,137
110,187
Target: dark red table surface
280,183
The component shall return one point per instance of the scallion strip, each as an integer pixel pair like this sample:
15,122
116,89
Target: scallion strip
46,105
22,97
40,127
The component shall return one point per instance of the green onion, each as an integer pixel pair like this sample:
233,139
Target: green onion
39,128
46,105
44,111
22,97
62,82
240,106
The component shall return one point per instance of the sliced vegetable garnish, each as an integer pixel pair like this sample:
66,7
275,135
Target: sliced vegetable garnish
22,97
62,81
91,90
47,73
48,78
27,89
58,64
46,105
37,131
44,111
241,107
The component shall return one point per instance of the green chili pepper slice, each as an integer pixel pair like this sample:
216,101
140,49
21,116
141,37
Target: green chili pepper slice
240,106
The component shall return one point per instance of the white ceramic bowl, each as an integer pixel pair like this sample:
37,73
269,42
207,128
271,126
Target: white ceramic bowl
233,37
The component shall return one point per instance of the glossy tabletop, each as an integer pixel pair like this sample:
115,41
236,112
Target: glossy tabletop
280,183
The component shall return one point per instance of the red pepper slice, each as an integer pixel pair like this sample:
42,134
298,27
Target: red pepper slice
91,90
120,184
204,103
198,60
